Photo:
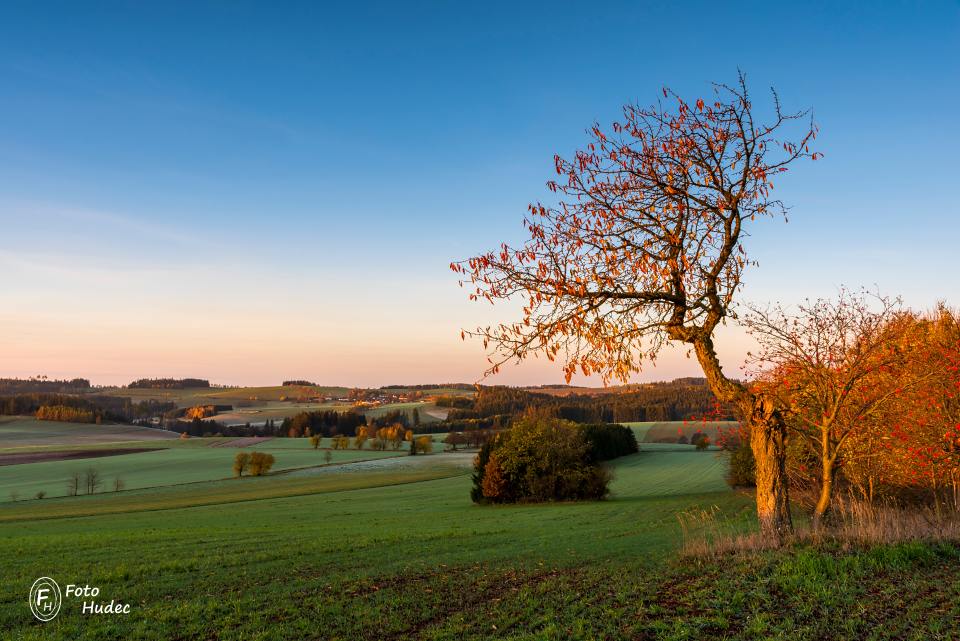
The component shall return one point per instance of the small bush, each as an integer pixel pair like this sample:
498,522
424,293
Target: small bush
702,443
742,471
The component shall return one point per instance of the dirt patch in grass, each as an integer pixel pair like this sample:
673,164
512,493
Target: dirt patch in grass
69,455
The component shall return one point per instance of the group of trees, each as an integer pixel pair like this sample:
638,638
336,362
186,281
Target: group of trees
204,411
341,442
390,437
870,395
104,408
540,458
37,384
87,482
66,413
669,401
471,438
168,383
253,463
299,383
322,423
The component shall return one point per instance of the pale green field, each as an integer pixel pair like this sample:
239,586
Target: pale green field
23,431
181,462
204,395
275,411
654,431
422,406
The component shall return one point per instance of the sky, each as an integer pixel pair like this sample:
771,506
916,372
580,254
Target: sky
250,192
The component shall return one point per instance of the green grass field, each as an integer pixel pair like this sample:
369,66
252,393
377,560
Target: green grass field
662,431
204,395
171,461
403,554
24,432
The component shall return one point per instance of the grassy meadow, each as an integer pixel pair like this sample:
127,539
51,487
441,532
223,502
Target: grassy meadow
670,431
167,461
398,551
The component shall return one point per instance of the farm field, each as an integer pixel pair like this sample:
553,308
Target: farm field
669,431
24,432
203,395
176,462
275,411
257,405
343,556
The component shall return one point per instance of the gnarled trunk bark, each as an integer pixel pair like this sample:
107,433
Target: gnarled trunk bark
767,440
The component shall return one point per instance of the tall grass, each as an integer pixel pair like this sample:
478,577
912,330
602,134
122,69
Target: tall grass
852,523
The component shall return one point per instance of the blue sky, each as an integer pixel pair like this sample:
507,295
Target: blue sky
255,191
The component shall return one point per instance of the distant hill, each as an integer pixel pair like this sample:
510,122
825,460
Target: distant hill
43,385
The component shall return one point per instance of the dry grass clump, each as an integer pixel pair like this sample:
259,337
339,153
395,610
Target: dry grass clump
853,523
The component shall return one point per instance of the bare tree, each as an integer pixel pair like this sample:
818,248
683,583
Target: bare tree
645,246
74,484
92,480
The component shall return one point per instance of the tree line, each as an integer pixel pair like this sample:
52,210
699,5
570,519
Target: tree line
104,408
678,400
168,383
43,384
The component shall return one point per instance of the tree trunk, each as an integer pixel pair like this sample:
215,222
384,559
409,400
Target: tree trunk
767,440
826,493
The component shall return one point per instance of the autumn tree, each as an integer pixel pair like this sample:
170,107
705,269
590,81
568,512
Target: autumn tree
361,437
424,444
260,463
397,435
834,365
920,445
241,463
645,245
453,439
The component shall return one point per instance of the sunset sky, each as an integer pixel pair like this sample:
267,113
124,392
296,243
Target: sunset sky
248,193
